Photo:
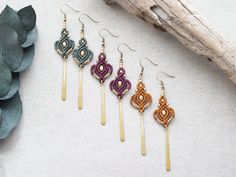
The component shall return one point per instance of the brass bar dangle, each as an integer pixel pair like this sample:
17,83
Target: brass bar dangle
101,71
80,95
167,150
64,80
121,120
142,130
163,115
103,107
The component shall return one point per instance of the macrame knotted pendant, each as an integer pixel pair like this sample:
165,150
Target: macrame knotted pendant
120,86
164,114
101,71
141,100
64,47
82,56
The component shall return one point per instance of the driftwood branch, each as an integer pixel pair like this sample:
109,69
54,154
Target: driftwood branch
179,19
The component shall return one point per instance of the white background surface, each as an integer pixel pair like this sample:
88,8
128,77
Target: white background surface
54,139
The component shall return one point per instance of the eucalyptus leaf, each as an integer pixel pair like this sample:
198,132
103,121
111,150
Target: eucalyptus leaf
9,16
5,79
11,115
15,85
27,58
28,17
31,37
10,50
0,117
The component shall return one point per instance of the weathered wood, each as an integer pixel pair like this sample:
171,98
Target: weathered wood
179,19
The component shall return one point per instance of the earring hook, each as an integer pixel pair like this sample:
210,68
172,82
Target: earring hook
88,17
142,67
161,81
105,29
66,5
121,53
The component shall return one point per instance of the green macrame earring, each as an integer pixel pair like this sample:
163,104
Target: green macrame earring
82,56
64,46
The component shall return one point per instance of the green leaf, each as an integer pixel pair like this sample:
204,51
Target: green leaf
31,37
9,16
11,112
5,79
10,50
27,58
28,17
0,117
15,85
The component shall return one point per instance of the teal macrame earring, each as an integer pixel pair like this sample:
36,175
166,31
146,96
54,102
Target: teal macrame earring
64,47
82,56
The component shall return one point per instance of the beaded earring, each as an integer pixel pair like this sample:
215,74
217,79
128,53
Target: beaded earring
120,86
141,100
163,115
101,71
82,56
64,47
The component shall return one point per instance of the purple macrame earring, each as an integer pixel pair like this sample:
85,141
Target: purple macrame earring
101,71
120,86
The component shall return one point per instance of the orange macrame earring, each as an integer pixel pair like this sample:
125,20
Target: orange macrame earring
163,115
141,100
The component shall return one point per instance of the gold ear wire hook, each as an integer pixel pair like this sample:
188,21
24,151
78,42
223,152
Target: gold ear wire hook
103,38
61,10
82,27
66,5
142,67
88,17
161,81
121,53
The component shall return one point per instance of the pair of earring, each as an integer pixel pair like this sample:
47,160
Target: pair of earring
163,114
82,55
119,86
